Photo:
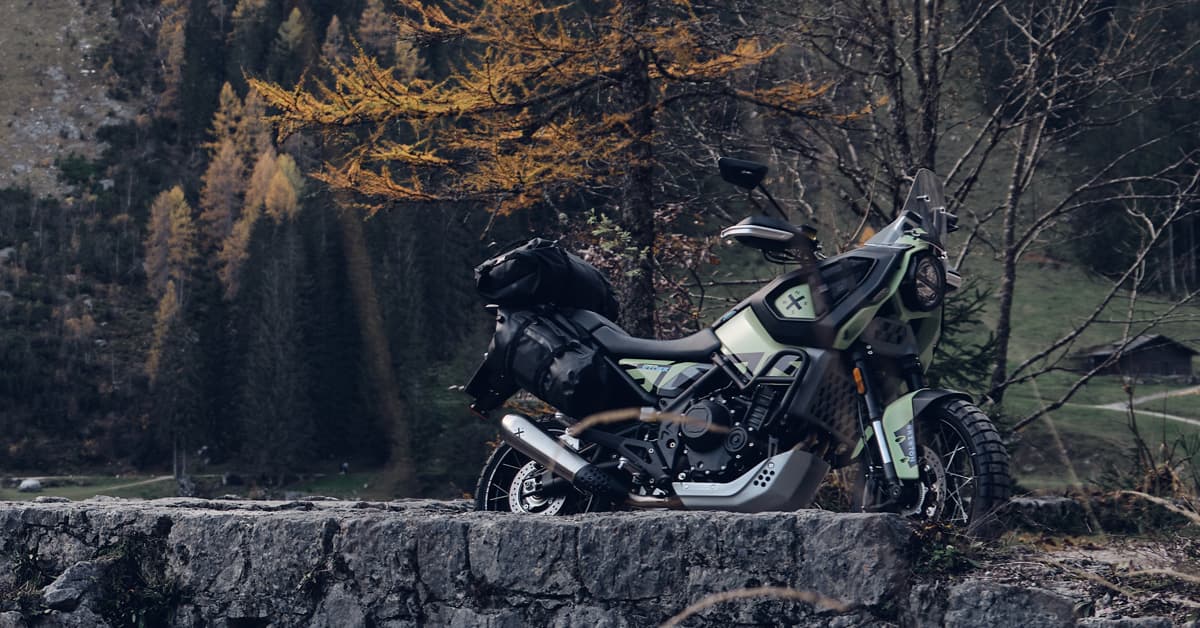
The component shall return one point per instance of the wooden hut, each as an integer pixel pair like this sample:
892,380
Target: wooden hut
1145,356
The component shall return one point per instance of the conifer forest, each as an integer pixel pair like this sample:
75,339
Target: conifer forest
264,265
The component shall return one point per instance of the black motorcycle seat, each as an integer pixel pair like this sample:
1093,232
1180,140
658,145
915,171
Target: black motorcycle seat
697,347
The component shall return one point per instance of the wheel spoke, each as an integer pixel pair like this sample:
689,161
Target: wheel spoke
950,460
956,495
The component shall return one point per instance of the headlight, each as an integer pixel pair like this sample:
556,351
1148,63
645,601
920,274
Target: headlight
925,284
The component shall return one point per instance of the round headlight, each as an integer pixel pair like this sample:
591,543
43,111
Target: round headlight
925,284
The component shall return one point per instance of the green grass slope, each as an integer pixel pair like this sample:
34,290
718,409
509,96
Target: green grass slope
1052,299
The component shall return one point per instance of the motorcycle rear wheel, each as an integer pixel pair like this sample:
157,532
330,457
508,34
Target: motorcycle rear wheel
503,482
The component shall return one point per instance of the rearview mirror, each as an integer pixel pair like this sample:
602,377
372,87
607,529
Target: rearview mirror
742,173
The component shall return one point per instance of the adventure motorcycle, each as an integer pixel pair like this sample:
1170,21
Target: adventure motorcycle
822,368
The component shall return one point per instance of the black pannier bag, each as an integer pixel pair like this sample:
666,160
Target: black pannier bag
545,354
543,272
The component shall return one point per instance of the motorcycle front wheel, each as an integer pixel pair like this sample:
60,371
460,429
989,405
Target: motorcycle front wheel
512,482
964,470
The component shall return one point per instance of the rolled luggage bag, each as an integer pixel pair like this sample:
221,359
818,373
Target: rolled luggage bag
541,272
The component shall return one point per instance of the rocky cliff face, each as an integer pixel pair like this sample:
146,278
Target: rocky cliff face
55,92
107,562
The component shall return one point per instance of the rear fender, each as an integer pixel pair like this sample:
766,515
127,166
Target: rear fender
899,426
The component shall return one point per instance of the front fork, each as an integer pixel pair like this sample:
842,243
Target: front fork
868,390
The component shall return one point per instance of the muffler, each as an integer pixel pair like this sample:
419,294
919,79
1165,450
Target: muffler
526,437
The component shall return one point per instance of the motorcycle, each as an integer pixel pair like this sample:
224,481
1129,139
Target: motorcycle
823,368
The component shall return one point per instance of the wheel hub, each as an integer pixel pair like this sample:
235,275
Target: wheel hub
524,495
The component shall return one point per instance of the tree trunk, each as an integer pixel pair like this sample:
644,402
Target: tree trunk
399,479
1171,259
637,198
893,75
1008,276
1192,253
926,53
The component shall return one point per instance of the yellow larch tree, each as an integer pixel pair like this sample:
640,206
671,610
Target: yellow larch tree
292,32
171,256
254,134
164,320
227,118
376,29
282,199
224,182
158,233
249,9
170,241
548,102
181,246
235,249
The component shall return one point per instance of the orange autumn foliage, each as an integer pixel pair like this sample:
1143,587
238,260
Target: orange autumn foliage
533,109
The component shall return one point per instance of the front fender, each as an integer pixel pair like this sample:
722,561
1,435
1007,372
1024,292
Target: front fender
901,432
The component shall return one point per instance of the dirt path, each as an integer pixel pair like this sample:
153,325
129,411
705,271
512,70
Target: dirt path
1122,408
70,478
1124,405
161,478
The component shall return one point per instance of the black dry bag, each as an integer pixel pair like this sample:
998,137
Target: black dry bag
542,272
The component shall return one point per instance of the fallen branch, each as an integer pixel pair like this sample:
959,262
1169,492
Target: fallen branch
1129,593
1195,518
645,415
1178,575
783,593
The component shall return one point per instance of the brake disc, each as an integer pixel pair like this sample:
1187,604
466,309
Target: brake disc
932,498
525,496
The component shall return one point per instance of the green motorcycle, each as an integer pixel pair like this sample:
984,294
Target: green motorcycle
823,368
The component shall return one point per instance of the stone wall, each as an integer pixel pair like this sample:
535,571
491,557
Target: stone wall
193,562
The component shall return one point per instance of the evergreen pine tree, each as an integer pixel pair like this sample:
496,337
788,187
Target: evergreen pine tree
249,39
276,407
219,9
171,49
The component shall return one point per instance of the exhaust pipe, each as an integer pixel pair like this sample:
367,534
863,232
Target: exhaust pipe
529,439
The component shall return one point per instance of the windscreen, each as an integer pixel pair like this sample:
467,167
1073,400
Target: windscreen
923,208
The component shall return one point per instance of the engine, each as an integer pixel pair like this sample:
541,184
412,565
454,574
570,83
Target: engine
721,437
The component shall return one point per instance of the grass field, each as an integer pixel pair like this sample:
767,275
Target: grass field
1050,302
349,486
83,487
